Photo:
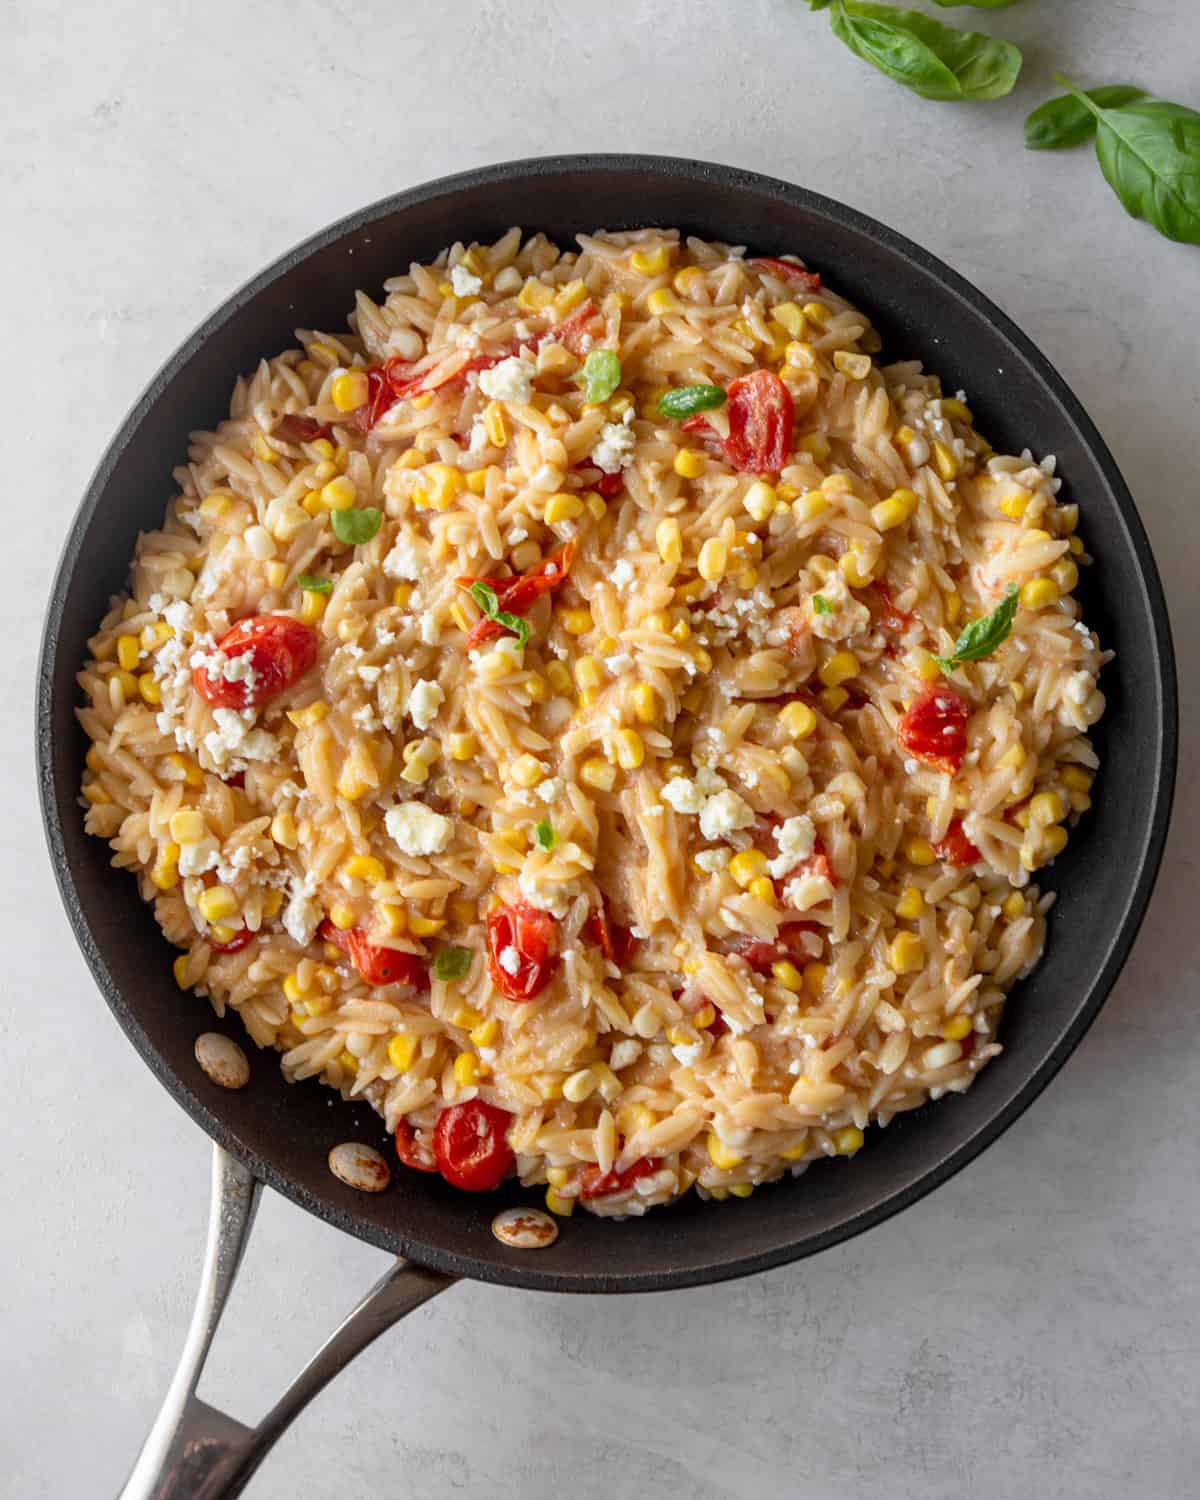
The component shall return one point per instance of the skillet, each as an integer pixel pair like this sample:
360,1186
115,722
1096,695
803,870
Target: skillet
280,1135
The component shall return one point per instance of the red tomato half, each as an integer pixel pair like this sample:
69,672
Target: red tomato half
572,331
935,728
235,944
412,1150
810,281
294,428
377,965
470,1142
786,948
593,1183
531,935
280,649
609,485
614,941
761,417
956,848
517,596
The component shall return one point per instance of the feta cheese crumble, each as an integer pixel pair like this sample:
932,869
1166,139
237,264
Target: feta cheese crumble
417,829
725,813
510,380
509,960
796,838
406,560
424,701
614,451
463,283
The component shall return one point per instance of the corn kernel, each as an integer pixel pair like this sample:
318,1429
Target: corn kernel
1065,575
469,1069
350,391
816,445
1047,808
484,1033
312,606
598,773
402,1050
563,507
712,561
342,916
945,462
795,1153
911,903
651,262
179,969
629,749
576,621
191,772
588,673
365,867
831,699
581,1085
463,746
129,652
702,659
313,713
1076,779
662,302
1054,841
188,826
569,297
1014,758
956,1029
644,701
809,506
395,919
788,975
557,1204
763,889
439,485
952,407
527,771
848,1140
854,569
689,463
723,1157
165,873
906,954
272,903
1039,593
669,541
919,852
838,668
837,484
853,366
747,866
217,903
1015,505
558,675
422,926
339,493
689,280
1014,906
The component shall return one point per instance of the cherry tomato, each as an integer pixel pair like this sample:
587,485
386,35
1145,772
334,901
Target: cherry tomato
935,728
956,848
609,485
235,944
761,956
470,1142
810,281
531,935
517,596
412,1150
573,330
593,1183
761,418
614,941
280,650
891,617
294,428
376,964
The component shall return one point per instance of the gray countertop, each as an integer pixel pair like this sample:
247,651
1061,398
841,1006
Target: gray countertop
1031,1328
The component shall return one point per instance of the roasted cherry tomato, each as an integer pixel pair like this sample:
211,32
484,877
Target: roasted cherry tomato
810,281
956,848
609,485
761,956
613,940
235,944
517,596
470,1142
376,964
593,1183
890,617
935,728
529,935
572,331
761,416
412,1150
294,428
280,650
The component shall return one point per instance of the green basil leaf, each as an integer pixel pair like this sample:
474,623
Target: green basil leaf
485,596
544,834
1149,152
687,400
981,637
312,585
1066,121
601,375
515,623
452,963
821,605
935,61
354,527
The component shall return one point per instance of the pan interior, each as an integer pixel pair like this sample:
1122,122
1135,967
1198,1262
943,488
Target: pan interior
923,311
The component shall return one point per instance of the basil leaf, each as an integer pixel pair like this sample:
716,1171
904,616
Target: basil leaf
312,585
935,61
978,4
601,375
1149,152
821,605
544,834
485,596
1065,121
687,400
354,527
519,627
452,963
981,637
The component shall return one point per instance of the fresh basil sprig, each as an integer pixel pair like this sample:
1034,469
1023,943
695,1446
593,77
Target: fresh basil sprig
1149,152
981,637
1065,121
452,963
687,400
934,60
312,585
601,375
354,527
486,598
821,605
544,834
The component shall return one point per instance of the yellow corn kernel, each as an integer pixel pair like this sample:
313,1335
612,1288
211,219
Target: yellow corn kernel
569,297
956,1029
495,425
911,903
272,903
557,1204
839,668
365,867
763,889
1014,906
149,690
350,391
713,560
219,933
192,774
293,989
795,1153
588,673
339,494
188,826
313,713
1014,758
179,969
1047,808
689,280
816,445
563,507
1065,575
853,366
484,1033
129,652
215,504
837,484
527,771
277,574
723,1157
576,621
669,541
284,831
681,631
816,312
464,1017
831,699
848,1140
312,503
347,1061
1035,534
1054,841
651,262
747,866
402,1050
760,500
597,506
809,506
644,701
788,975
477,481
945,462
581,1085
217,903
1015,505
440,484
952,407
1039,593
919,852
469,1069
463,746
662,302
1076,779
702,659
165,873
906,954
558,675
628,749
854,569
128,682
312,606
689,463
814,979
598,773
462,616
395,919
790,316
422,926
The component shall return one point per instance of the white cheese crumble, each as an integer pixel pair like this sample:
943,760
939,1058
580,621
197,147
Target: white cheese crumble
369,675
550,790
614,451
510,380
622,574
463,283
302,914
235,736
795,837
712,860
424,701
429,630
406,559
509,960
195,859
690,796
725,813
417,829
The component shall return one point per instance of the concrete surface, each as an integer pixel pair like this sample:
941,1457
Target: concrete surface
1030,1329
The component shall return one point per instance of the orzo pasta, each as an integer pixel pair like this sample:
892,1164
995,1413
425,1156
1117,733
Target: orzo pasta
597,714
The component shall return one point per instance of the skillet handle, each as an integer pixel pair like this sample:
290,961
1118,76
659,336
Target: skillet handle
194,1451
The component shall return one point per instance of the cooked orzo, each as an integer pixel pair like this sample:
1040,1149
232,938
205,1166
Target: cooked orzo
596,713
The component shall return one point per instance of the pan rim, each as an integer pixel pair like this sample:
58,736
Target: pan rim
1160,776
